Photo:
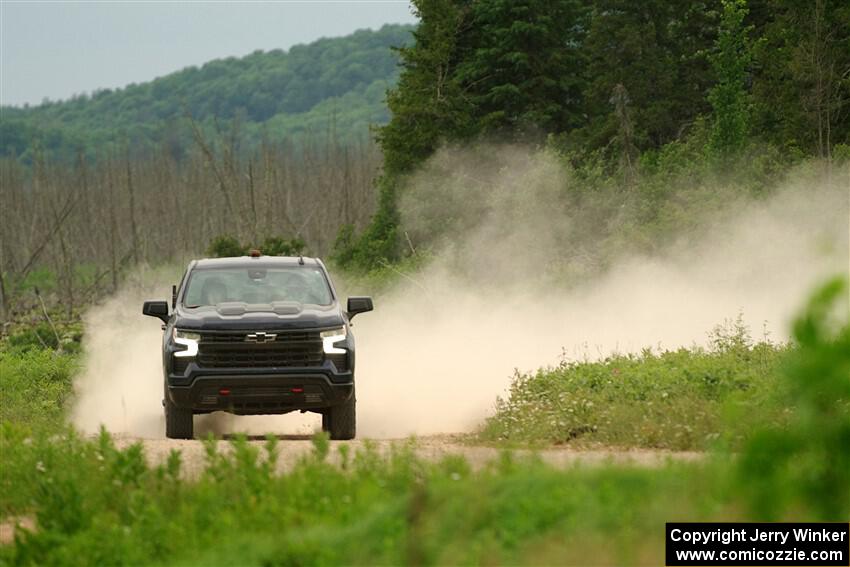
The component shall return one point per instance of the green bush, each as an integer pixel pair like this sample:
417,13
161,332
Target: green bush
378,244
62,335
35,384
806,466
278,246
226,246
673,399
344,247
38,336
841,153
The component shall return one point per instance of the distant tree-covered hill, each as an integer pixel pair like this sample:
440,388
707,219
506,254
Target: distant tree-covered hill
331,83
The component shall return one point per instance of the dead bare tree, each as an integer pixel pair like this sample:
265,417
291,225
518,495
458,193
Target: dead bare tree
625,134
89,221
825,95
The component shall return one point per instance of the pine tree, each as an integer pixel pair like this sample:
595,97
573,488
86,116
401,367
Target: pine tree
427,105
523,69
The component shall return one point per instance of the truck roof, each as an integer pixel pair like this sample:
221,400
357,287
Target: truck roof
255,262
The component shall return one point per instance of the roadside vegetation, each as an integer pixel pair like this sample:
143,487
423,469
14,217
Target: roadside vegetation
96,504
37,367
686,399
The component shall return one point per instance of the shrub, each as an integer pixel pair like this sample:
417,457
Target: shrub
344,247
672,399
38,336
36,383
226,246
62,335
278,246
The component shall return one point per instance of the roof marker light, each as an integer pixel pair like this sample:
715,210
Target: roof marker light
255,253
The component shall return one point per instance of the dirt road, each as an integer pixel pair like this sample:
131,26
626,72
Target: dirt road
434,447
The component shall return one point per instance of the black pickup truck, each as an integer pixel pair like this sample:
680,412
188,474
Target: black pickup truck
258,335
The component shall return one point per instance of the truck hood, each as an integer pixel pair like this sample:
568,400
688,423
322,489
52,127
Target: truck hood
280,315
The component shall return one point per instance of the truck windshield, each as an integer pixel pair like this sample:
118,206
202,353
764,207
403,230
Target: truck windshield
257,285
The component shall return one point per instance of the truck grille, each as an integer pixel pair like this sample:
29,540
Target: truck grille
232,350
179,365
340,361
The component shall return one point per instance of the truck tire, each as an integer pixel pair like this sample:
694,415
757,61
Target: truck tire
341,421
178,421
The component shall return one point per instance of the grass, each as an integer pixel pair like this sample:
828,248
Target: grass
687,399
35,386
37,366
96,504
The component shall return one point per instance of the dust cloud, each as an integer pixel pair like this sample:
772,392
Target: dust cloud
444,342
121,383
438,350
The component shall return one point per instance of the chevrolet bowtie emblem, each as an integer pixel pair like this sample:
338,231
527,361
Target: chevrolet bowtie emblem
260,337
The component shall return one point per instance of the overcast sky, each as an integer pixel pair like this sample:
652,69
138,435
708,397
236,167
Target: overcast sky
57,49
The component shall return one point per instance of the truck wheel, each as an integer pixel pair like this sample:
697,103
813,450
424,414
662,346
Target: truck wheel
341,421
178,421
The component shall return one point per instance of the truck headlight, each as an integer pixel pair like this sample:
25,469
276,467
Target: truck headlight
330,337
187,339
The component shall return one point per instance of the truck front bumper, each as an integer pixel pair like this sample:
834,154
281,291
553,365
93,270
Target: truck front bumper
259,391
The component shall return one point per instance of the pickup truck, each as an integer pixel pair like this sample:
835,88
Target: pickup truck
257,335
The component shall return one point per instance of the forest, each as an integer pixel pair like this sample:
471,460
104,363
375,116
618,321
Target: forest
274,95
619,88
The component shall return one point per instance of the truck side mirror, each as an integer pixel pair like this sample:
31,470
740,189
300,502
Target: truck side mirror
358,305
158,309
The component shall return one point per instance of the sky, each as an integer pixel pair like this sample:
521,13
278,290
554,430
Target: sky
58,49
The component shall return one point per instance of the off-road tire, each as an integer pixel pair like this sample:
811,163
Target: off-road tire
341,421
178,421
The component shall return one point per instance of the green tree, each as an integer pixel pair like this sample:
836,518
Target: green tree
801,86
729,97
474,68
522,66
655,49
427,105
